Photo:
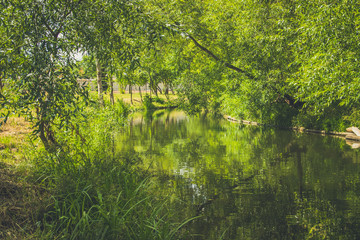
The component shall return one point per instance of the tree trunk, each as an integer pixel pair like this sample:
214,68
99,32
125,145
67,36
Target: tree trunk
166,89
47,137
140,94
130,90
150,84
43,138
159,89
99,82
112,91
154,88
167,92
1,85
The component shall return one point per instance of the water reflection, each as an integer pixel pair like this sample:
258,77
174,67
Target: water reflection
249,182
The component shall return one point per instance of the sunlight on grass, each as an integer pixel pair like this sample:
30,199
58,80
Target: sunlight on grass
137,100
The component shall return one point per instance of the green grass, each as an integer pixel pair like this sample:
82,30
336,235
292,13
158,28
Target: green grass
86,190
14,138
99,193
137,100
20,200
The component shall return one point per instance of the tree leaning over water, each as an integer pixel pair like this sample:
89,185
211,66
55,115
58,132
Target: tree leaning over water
282,62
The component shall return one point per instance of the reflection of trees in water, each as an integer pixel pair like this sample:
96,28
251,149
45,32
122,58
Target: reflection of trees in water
251,182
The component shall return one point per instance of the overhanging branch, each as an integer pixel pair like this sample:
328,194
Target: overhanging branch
226,64
287,98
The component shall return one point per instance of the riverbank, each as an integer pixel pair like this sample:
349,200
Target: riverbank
351,138
101,182
20,200
136,100
76,192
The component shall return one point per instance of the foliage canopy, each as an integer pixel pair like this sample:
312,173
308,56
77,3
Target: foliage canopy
279,62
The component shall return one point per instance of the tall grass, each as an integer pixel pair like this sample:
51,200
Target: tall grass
97,191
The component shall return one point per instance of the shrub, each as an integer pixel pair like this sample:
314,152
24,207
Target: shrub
148,102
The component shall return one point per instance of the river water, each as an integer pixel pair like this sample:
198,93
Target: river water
249,182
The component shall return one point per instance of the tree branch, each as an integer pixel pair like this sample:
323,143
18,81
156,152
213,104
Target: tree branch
66,15
226,64
287,98
50,29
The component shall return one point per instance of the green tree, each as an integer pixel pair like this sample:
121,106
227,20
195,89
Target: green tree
37,54
280,62
327,53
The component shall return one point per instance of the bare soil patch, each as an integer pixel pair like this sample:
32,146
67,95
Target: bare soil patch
20,204
15,126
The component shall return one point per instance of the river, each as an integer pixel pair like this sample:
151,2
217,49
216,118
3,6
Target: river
249,182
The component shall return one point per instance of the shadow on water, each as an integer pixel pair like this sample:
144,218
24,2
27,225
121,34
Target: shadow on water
250,182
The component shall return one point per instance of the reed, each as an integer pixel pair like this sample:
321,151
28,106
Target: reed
98,192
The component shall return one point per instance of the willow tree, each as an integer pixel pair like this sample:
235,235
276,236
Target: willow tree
327,53
38,49
232,44
39,41
276,61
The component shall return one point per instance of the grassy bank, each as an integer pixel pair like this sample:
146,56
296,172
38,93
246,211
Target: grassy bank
138,100
85,189
20,200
